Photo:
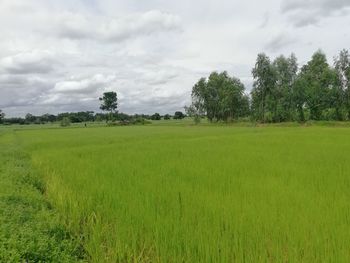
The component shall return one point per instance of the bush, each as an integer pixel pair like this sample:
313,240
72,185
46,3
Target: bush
65,122
140,121
197,119
166,117
156,117
179,115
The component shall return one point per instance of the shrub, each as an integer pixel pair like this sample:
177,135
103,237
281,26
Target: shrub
65,122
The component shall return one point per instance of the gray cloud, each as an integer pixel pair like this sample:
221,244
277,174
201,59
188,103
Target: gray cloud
279,42
39,62
310,12
78,26
22,90
265,20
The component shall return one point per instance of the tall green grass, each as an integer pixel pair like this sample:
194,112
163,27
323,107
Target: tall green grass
200,193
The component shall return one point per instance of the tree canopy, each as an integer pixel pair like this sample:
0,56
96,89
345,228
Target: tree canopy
109,101
220,96
2,116
281,91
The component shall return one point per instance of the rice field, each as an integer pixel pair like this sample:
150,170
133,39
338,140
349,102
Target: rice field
199,193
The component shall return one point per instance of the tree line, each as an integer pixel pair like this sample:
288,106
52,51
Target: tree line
87,116
281,91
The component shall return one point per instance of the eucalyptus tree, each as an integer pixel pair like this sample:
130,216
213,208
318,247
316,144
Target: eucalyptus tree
263,87
285,70
320,81
342,66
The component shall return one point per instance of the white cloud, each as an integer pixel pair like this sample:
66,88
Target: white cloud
79,26
84,86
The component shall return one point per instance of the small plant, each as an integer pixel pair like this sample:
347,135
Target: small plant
65,122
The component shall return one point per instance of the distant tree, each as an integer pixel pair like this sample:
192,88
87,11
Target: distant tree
98,118
299,97
220,97
30,118
123,116
15,120
199,104
342,66
2,116
156,117
194,113
179,115
65,122
263,87
167,117
109,103
319,82
285,70
244,107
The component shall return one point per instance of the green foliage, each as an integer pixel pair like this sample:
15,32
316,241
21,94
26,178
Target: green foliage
2,116
179,115
220,96
30,230
342,67
65,122
109,103
317,92
77,117
167,117
319,79
282,92
156,117
200,194
193,112
264,81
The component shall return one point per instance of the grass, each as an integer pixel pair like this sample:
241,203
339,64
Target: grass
30,230
163,193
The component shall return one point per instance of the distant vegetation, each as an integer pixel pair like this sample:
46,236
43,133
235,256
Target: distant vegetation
109,103
85,116
281,91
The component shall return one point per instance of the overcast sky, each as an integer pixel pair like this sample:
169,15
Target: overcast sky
62,55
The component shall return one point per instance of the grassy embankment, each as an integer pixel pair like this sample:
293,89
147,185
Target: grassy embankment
30,230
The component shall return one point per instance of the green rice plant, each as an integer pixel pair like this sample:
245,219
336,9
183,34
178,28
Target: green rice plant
200,193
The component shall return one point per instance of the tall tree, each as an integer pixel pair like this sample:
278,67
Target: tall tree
342,66
109,103
199,99
263,87
2,116
319,80
299,97
286,72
